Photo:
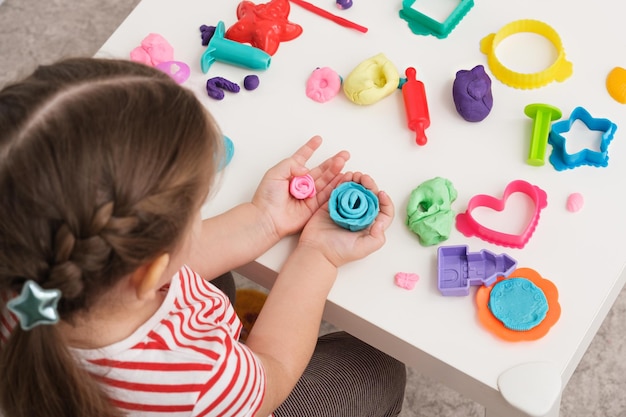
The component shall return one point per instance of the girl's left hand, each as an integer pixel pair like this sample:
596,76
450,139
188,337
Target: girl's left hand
286,214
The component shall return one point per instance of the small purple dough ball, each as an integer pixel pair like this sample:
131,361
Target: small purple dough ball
250,82
472,95
344,4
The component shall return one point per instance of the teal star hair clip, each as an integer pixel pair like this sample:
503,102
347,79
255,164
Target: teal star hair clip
35,306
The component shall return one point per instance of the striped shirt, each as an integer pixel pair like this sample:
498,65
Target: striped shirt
184,361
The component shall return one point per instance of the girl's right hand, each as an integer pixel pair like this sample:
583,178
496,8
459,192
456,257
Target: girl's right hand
340,245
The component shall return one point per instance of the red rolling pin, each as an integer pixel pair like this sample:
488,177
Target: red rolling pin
416,106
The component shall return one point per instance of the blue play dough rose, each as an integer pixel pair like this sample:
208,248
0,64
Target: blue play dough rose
353,206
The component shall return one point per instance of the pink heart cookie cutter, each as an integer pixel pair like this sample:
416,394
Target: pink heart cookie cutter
467,225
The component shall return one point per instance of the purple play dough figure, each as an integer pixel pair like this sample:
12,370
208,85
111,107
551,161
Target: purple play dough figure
471,92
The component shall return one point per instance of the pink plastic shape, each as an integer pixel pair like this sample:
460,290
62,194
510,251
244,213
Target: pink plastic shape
302,187
177,70
467,225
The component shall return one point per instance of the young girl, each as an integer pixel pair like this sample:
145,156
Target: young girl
104,166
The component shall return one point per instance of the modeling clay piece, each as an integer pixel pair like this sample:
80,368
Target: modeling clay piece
231,52
406,280
206,33
264,26
575,202
429,212
471,92
420,24
302,187
542,115
458,269
561,160
559,71
327,15
215,87
353,206
154,49
518,303
550,292
250,82
371,81
323,84
35,305
467,225
177,70
416,106
343,4
616,84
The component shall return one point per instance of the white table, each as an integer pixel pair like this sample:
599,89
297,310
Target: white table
581,253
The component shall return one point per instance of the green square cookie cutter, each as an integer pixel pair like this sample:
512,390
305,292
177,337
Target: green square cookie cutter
559,70
421,24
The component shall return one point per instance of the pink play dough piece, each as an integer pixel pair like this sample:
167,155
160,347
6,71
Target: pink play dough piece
575,202
302,187
154,49
406,280
323,84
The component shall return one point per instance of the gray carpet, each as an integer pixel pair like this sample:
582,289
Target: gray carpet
39,31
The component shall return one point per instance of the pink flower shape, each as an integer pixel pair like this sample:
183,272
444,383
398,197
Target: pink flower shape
323,84
302,187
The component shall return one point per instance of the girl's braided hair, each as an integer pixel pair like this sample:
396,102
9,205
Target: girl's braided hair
103,163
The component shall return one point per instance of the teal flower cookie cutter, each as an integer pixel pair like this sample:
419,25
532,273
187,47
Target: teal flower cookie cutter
561,159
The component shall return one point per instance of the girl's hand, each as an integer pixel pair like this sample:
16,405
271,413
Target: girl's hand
339,245
286,214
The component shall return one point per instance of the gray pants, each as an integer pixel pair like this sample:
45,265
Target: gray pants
346,377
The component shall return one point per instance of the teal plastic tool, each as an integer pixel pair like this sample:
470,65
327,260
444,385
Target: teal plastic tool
231,52
421,24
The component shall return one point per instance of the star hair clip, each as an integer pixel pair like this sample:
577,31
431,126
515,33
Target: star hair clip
35,306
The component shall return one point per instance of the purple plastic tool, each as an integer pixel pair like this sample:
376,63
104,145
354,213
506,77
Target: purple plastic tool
458,268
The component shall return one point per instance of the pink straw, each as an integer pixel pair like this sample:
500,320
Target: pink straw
321,12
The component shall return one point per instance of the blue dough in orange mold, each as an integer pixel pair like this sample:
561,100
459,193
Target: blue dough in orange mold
518,303
561,160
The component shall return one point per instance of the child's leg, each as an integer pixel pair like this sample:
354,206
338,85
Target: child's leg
347,378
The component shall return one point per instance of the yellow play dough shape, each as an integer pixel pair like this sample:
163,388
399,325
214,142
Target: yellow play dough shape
616,84
371,81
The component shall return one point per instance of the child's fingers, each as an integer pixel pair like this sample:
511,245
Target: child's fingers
386,207
307,150
378,229
329,169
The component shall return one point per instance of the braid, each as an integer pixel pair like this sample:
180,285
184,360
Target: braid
102,165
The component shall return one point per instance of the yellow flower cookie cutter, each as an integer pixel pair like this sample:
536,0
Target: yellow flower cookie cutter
559,71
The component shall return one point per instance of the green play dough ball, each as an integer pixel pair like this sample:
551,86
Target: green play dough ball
429,212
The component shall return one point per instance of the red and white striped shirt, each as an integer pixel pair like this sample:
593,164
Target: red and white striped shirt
184,361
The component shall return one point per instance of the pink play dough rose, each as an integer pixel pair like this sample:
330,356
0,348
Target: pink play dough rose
302,187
